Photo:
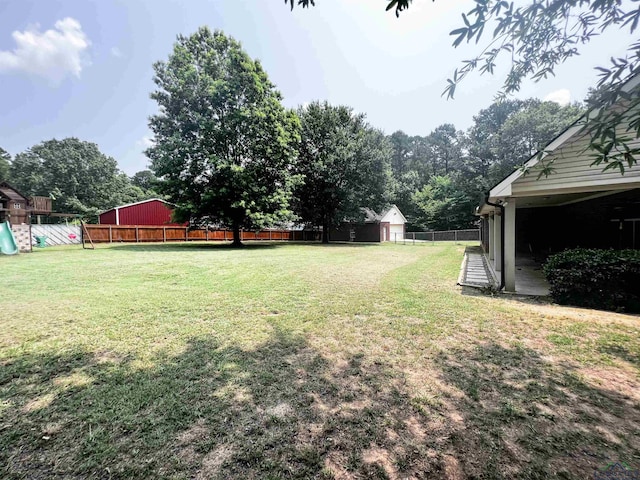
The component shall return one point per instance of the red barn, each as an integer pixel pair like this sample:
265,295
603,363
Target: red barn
147,212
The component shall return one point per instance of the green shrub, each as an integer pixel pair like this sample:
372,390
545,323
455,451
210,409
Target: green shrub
603,279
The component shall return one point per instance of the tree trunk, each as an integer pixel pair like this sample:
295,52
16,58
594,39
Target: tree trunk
325,232
237,241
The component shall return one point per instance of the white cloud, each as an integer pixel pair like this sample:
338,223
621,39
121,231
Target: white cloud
52,54
562,96
116,52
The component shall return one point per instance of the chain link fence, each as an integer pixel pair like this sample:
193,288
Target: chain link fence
469,235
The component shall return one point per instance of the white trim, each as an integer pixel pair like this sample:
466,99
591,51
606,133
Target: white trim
392,207
592,197
117,216
503,189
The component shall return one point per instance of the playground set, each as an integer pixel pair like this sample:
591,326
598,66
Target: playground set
16,210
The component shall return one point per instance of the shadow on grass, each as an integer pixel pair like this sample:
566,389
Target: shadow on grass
226,246
284,410
193,246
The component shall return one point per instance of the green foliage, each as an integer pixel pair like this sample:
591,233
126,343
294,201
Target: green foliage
345,165
445,151
485,135
224,144
146,181
443,206
604,279
5,164
528,131
503,137
75,174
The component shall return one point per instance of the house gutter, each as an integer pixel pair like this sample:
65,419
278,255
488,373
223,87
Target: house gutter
502,269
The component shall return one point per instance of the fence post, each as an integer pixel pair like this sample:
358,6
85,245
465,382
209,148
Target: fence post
206,238
164,234
433,237
186,234
455,236
137,234
414,238
269,234
110,235
241,234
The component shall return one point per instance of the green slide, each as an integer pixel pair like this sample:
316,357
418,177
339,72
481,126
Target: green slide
8,244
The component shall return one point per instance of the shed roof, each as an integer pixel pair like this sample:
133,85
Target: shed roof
138,203
370,216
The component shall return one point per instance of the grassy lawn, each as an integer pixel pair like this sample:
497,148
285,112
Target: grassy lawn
301,361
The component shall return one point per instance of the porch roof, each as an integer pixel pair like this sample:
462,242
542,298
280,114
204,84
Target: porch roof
574,177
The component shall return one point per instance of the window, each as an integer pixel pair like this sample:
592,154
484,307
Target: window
17,206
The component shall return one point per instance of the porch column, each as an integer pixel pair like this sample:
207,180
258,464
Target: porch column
497,241
510,245
490,244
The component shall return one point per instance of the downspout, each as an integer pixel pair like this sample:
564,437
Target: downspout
501,207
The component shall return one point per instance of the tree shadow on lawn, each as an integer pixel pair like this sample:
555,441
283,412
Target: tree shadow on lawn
226,246
284,410
191,246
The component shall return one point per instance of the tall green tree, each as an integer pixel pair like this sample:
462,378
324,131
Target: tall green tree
484,136
76,174
224,145
402,153
146,181
5,164
528,131
443,206
445,149
344,163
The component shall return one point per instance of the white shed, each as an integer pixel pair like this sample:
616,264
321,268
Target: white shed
396,221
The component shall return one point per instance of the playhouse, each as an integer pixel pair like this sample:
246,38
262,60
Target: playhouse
15,218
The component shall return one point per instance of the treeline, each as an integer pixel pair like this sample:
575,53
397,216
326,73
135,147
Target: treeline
76,175
228,153
436,179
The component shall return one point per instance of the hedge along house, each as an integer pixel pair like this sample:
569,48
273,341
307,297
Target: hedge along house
148,212
374,227
527,217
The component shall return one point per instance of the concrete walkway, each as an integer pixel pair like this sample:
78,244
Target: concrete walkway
529,281
474,271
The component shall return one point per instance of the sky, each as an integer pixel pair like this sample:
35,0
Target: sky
83,68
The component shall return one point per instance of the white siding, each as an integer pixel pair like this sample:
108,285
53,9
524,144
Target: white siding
393,216
573,173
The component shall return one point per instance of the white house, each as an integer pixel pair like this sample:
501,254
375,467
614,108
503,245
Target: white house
577,205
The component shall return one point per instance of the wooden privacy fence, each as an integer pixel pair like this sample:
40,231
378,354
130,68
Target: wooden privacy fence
140,233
